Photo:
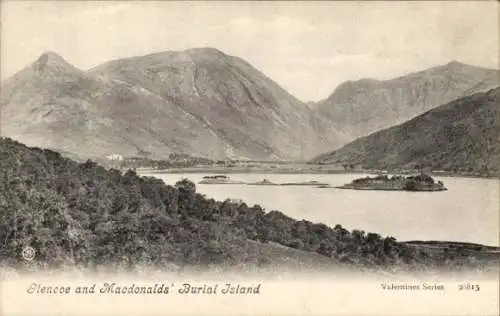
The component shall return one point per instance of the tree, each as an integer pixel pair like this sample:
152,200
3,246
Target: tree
187,197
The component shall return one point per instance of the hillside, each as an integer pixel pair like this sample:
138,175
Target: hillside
460,136
362,107
81,215
200,102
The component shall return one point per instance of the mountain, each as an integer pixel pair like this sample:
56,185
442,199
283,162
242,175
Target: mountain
199,101
462,135
55,105
366,106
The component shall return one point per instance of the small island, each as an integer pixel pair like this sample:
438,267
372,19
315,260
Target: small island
421,182
324,186
263,182
219,179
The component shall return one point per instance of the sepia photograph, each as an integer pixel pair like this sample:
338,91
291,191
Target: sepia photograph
249,158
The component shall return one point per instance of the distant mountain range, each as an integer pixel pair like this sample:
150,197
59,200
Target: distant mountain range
365,106
460,136
205,103
199,101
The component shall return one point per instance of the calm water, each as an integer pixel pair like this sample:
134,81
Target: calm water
468,211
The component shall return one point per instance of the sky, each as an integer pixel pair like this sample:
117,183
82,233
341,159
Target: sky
307,47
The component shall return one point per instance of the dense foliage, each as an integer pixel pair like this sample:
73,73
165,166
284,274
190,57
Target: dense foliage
80,214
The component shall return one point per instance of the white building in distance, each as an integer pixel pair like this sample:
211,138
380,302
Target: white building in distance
115,157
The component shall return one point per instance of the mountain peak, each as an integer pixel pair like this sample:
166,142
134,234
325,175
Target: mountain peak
50,57
53,61
456,64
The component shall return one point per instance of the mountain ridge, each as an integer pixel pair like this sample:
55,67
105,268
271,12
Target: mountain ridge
198,101
93,68
231,67
234,110
459,136
73,91
364,106
453,64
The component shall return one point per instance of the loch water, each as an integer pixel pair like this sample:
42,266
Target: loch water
468,211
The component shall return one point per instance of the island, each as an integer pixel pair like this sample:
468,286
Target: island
219,179
263,182
324,186
421,182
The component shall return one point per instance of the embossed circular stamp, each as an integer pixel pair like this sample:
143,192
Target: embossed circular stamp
28,253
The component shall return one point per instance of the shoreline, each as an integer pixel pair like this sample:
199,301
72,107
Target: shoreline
232,170
445,243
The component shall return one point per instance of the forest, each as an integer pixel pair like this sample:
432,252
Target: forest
86,216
